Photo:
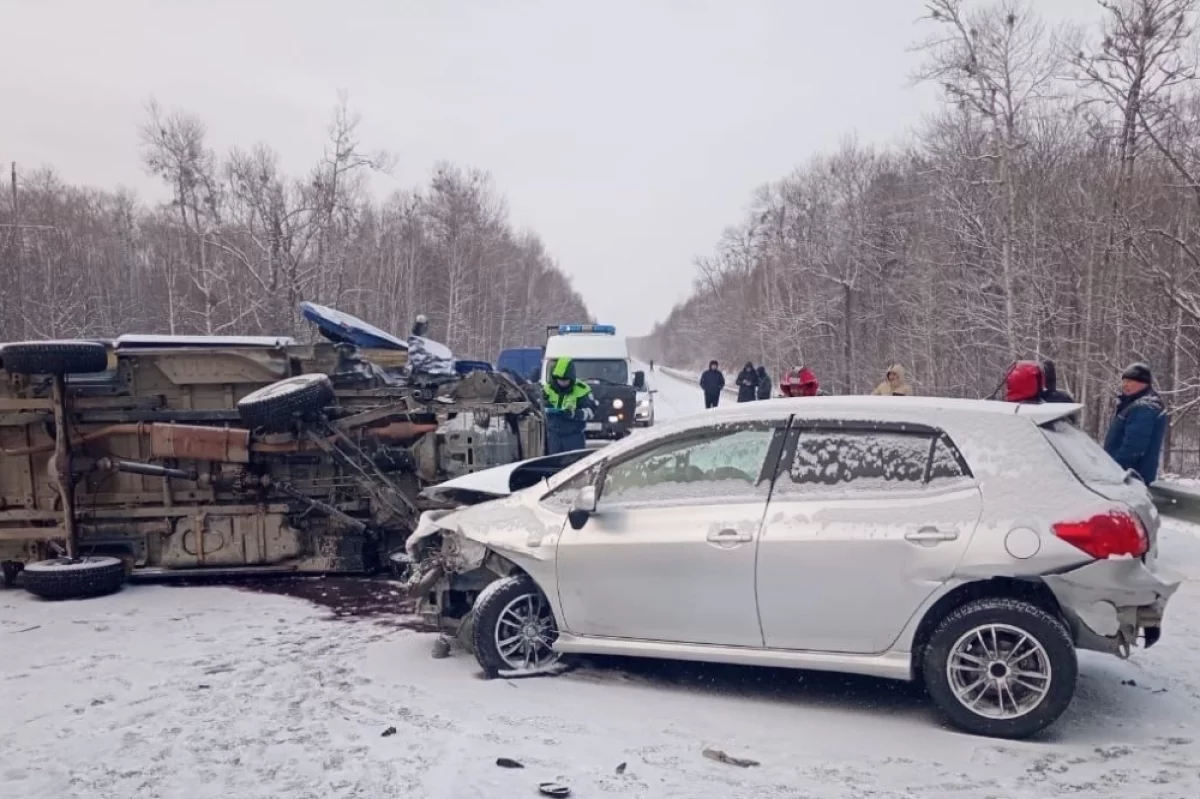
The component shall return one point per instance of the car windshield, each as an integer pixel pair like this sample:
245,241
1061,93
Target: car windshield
607,371
1089,462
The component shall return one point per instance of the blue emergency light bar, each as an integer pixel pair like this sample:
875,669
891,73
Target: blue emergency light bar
608,330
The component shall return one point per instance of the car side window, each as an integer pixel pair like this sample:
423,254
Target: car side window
946,464
717,465
560,499
857,460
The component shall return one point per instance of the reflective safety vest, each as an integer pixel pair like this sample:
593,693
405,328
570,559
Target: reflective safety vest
566,401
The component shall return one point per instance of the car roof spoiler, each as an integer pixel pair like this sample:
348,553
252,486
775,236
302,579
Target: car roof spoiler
1044,413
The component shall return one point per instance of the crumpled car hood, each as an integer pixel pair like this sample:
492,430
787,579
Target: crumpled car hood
507,526
501,481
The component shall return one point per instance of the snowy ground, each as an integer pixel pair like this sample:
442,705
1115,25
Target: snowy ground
202,692
675,398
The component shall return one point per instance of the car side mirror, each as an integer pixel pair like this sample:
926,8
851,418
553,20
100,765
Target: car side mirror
582,507
639,380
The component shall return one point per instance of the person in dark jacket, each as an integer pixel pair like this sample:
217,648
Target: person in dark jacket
747,383
1136,434
764,383
1051,392
569,407
712,383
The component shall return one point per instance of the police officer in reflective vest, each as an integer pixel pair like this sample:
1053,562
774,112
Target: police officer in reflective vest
569,407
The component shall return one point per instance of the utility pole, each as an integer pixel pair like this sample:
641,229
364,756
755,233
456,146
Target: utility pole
15,209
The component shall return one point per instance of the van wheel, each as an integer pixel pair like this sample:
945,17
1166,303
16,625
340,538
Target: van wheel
276,407
54,358
66,578
1001,667
513,628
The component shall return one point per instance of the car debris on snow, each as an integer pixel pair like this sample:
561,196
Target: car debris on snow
508,762
554,789
441,648
722,757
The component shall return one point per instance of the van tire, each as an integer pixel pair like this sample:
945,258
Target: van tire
54,358
63,578
275,408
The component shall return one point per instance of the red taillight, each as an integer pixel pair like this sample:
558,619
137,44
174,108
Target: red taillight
1106,535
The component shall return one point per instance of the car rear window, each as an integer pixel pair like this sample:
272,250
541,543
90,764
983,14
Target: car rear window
1084,457
871,460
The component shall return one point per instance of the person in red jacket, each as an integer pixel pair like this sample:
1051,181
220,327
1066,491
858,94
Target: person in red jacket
799,383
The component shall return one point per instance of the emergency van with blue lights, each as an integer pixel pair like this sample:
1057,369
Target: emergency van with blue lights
602,361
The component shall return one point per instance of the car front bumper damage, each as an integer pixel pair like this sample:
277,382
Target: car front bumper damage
1110,603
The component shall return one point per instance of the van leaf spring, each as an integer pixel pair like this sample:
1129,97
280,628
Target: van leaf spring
373,480
322,507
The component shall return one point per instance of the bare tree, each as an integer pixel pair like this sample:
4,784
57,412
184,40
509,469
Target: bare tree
240,244
1033,217
995,63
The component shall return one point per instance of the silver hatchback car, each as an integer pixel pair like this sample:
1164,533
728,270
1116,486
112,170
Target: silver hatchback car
972,545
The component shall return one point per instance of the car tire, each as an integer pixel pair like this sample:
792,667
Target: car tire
970,655
54,358
63,578
276,407
503,611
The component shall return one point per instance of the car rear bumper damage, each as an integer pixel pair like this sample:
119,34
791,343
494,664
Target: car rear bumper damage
1109,604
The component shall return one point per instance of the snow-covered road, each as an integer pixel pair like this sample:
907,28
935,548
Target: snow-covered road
205,692
213,692
674,397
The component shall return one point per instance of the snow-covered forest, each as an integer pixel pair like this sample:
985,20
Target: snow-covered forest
240,243
1050,208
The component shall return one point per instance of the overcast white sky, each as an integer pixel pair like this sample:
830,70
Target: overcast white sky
628,133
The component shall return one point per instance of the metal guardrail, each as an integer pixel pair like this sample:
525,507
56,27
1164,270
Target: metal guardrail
1177,501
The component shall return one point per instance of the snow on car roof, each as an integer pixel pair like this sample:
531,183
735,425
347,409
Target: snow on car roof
932,411
890,408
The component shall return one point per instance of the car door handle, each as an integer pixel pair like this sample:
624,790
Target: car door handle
931,535
728,536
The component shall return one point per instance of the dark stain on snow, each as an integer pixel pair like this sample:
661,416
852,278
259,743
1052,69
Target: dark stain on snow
347,598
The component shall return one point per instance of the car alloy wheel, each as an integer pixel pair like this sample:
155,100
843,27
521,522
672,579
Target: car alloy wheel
525,633
999,671
1001,667
513,629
